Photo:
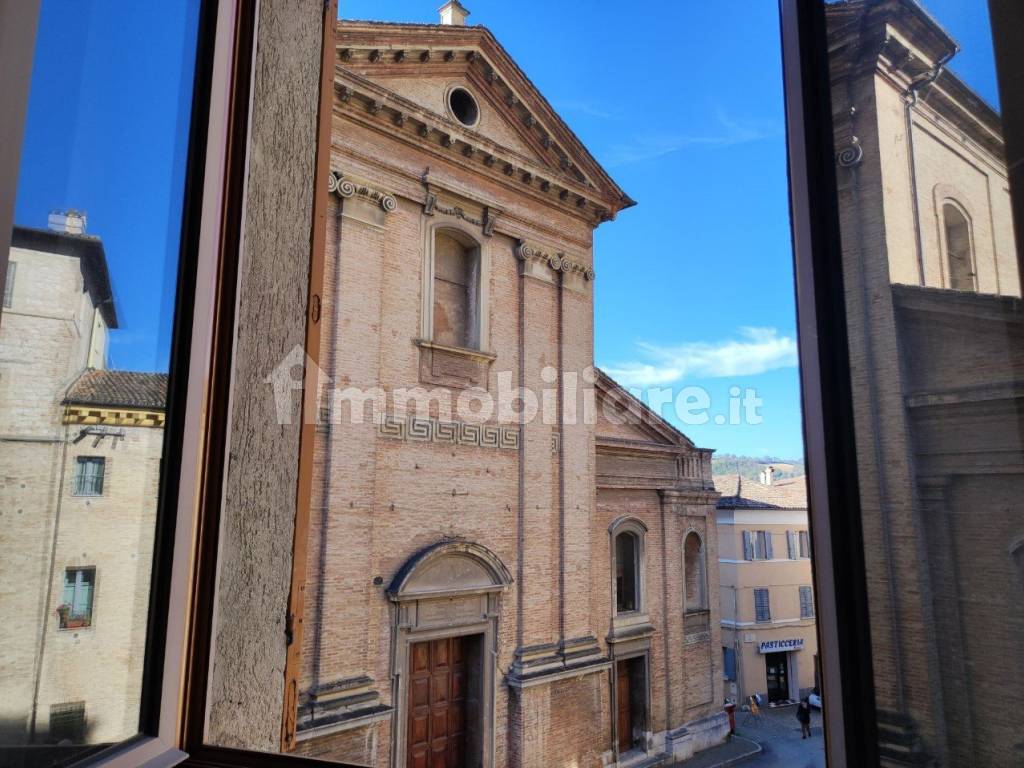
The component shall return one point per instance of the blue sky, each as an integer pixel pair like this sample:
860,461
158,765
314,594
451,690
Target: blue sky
106,133
681,101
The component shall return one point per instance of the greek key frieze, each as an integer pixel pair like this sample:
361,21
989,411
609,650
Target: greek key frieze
418,429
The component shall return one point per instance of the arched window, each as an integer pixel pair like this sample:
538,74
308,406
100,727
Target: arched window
456,286
694,572
627,565
959,256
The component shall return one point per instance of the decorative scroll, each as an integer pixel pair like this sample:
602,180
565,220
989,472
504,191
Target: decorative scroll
849,157
344,188
558,262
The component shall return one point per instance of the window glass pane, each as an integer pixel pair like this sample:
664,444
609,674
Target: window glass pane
625,572
932,282
84,345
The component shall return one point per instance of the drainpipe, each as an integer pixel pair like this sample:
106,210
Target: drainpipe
37,673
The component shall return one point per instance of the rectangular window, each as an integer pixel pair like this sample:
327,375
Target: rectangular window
762,610
75,609
67,722
89,472
762,545
9,284
805,544
806,603
792,545
757,545
728,663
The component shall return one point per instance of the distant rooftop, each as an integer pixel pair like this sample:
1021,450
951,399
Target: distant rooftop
744,493
122,389
87,248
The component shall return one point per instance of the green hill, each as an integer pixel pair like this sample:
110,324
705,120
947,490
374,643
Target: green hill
751,466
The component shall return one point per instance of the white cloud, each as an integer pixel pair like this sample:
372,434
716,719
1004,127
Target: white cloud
726,133
583,107
756,350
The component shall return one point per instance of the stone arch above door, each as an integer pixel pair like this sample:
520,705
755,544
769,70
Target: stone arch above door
449,568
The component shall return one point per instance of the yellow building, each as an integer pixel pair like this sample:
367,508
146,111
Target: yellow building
769,641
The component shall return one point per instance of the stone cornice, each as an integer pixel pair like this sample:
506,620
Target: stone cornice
375,107
404,183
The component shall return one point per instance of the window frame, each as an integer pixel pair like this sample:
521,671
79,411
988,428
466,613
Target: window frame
803,590
80,475
221,44
78,570
767,605
972,258
637,528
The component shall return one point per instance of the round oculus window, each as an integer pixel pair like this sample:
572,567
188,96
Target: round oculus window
463,106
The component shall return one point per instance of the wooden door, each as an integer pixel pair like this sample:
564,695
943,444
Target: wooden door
625,711
437,704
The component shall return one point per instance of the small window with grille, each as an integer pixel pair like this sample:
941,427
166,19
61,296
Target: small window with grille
89,472
67,722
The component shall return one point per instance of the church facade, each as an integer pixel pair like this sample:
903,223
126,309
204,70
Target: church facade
493,579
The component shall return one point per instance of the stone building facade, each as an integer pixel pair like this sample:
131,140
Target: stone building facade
489,587
769,633
932,287
80,450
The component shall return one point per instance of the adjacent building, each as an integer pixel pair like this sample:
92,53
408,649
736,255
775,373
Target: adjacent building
769,636
511,588
932,280
80,450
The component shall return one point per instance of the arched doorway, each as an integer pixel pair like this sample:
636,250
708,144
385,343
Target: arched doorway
447,604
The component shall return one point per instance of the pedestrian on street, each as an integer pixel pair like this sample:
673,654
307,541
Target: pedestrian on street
803,714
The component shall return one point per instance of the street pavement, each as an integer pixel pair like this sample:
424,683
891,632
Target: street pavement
778,732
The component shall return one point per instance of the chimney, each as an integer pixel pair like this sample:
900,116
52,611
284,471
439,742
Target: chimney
453,14
767,475
70,222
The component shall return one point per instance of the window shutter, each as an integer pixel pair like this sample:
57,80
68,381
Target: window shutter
748,546
791,544
767,545
729,662
806,603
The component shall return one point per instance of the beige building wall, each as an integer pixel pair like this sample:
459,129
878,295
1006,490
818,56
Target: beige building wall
782,576
49,335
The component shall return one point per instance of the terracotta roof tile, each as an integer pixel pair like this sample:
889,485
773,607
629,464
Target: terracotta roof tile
737,492
124,389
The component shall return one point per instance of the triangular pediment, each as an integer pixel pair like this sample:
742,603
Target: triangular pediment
622,417
405,73
494,120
